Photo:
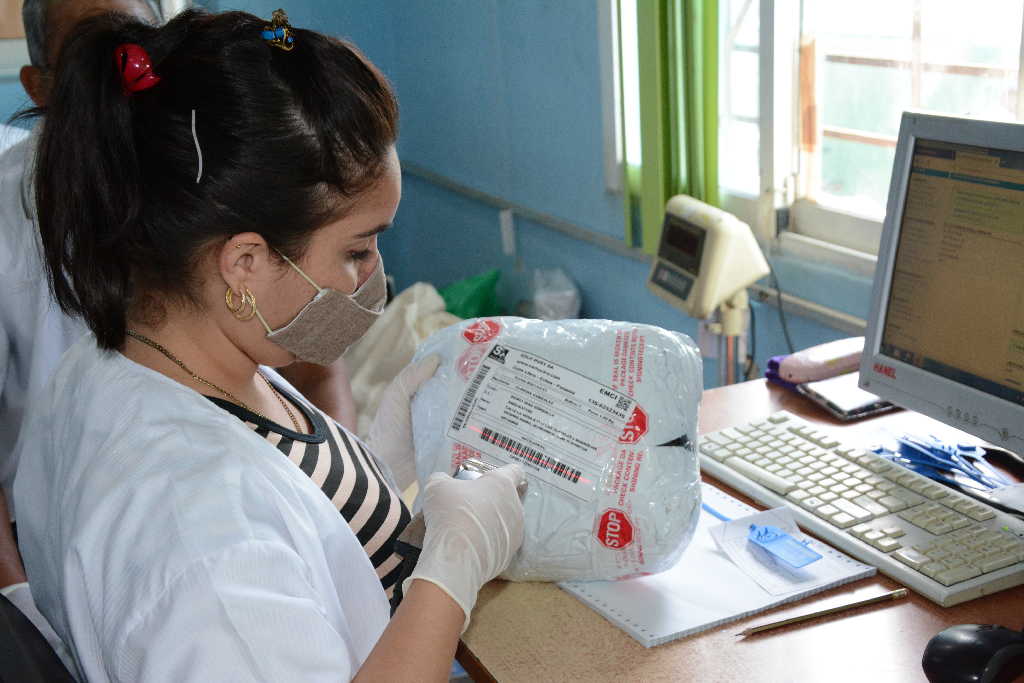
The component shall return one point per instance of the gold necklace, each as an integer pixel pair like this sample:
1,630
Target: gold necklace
202,380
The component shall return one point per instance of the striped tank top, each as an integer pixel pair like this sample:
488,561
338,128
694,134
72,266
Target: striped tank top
348,475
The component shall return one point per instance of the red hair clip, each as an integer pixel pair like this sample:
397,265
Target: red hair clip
133,63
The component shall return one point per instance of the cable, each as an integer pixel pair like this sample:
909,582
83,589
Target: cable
753,344
782,313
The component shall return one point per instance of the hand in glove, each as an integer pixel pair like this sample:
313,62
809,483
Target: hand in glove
390,435
474,527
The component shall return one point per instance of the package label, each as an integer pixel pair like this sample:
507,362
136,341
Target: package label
563,427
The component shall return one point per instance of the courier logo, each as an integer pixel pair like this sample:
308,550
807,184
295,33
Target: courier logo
887,370
614,531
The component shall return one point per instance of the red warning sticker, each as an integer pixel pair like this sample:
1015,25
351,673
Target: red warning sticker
481,332
614,530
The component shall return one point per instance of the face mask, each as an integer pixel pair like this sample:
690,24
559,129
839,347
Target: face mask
332,321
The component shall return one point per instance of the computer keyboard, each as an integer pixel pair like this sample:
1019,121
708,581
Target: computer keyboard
942,544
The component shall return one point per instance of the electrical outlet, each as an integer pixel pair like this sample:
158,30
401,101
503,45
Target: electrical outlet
507,223
707,338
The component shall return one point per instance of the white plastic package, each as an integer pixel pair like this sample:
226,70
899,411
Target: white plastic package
603,417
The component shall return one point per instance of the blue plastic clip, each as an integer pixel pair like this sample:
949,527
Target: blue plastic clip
782,546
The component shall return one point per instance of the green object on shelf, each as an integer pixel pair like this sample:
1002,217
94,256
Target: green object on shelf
473,297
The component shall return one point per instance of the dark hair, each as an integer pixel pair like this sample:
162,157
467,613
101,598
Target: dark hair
288,138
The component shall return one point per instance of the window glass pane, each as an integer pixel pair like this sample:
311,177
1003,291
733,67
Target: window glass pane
630,82
874,28
855,176
982,96
983,32
868,98
743,85
738,156
744,21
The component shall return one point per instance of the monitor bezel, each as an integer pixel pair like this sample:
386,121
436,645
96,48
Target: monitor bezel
991,418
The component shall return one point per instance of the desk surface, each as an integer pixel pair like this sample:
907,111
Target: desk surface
537,632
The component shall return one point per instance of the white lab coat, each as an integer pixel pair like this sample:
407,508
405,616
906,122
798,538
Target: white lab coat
166,541
33,331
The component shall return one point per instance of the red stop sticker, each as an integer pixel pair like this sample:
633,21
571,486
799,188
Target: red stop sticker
614,531
635,427
481,332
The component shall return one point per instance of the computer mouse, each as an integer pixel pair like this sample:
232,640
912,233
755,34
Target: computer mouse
975,653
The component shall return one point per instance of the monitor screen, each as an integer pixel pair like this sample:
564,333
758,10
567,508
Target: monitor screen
946,334
956,303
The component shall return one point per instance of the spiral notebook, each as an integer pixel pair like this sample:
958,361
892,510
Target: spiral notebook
704,589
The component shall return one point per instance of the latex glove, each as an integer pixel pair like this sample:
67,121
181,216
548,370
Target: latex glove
390,435
474,527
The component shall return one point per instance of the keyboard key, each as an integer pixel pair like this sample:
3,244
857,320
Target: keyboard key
844,520
887,544
953,575
811,503
770,481
978,513
994,562
827,511
861,530
855,511
892,503
911,557
871,506
778,418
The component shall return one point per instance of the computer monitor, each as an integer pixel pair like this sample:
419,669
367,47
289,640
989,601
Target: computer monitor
946,331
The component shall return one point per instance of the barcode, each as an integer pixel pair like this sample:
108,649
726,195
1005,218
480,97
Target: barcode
524,452
467,399
623,403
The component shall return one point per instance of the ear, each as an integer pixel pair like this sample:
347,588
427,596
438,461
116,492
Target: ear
34,83
245,258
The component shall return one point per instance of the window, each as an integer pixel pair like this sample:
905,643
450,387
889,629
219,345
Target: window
667,51
809,117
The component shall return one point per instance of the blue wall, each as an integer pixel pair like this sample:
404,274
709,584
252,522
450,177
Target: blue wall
12,97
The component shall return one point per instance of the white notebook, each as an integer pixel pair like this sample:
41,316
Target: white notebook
703,590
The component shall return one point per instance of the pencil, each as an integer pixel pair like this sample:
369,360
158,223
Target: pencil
891,595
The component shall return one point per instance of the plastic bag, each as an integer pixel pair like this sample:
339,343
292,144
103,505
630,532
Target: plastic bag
474,296
603,417
555,296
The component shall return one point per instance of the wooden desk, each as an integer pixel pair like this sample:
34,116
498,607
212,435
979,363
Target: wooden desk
537,632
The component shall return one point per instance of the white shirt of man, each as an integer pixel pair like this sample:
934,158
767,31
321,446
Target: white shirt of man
33,331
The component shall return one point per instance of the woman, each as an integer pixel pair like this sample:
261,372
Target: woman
209,197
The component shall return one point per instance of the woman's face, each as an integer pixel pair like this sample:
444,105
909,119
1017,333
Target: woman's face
341,255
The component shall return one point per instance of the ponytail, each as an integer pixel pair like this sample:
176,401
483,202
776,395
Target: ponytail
88,192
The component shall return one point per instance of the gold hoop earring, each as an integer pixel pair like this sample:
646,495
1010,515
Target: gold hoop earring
246,299
250,299
229,301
